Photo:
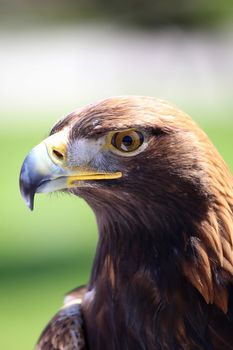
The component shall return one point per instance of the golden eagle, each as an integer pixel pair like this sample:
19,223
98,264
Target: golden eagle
162,277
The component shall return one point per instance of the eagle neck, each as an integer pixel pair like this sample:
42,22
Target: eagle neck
133,244
133,278
137,279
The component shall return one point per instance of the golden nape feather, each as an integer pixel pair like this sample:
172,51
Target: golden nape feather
215,244
163,199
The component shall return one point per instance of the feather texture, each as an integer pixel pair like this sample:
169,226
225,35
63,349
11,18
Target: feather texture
163,270
66,329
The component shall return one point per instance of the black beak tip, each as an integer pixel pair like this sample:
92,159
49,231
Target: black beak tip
27,189
29,199
28,196
30,203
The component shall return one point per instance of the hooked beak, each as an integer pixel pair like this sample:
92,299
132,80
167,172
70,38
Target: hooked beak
45,169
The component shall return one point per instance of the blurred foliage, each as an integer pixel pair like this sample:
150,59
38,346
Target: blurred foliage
153,13
45,253
146,13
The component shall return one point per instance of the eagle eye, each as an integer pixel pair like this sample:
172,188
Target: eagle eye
127,141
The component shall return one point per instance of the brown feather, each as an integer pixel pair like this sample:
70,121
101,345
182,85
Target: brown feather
163,270
64,331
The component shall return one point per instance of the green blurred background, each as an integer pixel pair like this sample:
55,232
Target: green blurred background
56,56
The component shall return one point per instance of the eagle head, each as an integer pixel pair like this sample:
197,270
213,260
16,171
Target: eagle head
157,185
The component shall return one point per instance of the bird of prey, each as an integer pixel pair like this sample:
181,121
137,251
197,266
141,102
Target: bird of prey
162,277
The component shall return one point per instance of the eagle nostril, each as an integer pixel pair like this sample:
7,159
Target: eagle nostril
58,154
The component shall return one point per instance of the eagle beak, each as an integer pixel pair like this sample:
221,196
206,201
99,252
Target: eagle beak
45,169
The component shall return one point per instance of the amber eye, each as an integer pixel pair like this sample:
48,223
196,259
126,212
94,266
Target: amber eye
127,141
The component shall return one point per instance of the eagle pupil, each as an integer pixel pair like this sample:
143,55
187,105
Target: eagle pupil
127,141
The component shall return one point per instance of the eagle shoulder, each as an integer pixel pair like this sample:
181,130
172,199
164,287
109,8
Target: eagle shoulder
65,331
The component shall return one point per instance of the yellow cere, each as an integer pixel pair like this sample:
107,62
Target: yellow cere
56,145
